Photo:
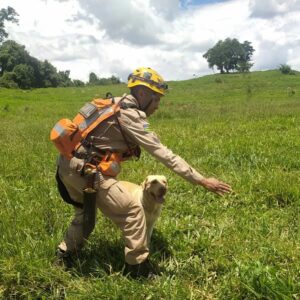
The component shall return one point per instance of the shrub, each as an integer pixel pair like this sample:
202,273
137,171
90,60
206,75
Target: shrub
77,82
7,80
286,69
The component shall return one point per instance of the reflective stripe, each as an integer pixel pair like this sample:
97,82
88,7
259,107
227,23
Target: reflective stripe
60,129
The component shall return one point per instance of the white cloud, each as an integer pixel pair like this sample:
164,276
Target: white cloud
135,22
270,8
266,61
114,37
168,9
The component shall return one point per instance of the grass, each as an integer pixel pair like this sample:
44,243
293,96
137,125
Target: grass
243,129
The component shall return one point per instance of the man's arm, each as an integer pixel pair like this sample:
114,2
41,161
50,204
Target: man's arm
136,127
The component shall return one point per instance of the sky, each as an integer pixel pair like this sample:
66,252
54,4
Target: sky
117,36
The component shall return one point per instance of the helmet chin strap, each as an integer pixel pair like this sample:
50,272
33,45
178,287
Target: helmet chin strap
144,109
147,105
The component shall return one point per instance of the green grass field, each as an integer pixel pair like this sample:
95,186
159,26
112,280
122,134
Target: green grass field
243,129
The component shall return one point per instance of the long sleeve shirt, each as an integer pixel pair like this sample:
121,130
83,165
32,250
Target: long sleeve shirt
135,127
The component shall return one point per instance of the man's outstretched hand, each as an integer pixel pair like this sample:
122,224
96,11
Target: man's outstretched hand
216,186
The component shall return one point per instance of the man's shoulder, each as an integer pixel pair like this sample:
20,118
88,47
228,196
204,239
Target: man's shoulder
130,110
135,113
133,117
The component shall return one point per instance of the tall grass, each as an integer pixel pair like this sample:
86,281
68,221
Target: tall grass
243,129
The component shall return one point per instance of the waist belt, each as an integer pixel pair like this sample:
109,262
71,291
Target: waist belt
108,163
87,155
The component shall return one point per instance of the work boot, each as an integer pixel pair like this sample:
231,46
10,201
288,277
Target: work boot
143,270
63,259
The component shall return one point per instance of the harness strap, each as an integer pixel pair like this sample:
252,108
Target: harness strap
95,156
124,105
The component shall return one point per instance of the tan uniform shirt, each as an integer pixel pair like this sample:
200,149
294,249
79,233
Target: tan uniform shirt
135,127
112,198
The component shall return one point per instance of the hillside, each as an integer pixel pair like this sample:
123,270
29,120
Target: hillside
243,129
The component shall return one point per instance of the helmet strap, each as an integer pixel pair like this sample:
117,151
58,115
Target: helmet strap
136,96
147,106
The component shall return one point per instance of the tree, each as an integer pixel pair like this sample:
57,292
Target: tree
115,80
27,71
64,78
6,14
24,76
286,69
49,74
77,82
93,79
12,54
7,80
244,64
36,65
24,71
230,55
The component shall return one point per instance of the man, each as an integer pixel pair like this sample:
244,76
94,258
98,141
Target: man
120,135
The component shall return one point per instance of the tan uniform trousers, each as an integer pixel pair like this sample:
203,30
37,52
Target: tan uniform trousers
117,204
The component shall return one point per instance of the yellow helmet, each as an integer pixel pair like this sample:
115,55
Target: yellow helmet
149,78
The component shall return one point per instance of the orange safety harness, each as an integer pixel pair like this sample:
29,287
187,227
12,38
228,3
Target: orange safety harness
69,135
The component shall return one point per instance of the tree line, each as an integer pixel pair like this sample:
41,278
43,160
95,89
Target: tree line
18,69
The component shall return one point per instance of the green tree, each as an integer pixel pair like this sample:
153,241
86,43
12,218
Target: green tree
37,70
230,55
115,80
215,56
6,14
244,64
286,69
49,74
24,76
26,71
93,79
11,55
64,78
77,82
7,80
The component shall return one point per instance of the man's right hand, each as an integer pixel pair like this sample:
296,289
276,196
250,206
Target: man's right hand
216,186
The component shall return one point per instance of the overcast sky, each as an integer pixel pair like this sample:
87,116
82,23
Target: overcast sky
116,36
